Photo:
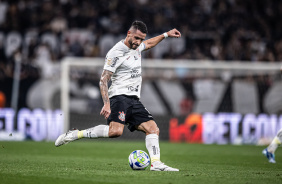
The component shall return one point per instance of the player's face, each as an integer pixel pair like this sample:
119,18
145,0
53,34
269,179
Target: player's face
135,38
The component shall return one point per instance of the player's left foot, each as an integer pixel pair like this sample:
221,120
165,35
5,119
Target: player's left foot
269,156
66,138
159,166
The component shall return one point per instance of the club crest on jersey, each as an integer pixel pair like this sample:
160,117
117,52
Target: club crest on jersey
121,116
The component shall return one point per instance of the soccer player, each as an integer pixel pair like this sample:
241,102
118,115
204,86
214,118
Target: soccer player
269,151
121,101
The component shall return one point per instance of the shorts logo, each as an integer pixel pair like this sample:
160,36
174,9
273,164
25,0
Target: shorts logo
121,116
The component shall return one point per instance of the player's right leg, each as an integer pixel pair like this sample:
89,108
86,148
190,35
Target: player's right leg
270,150
152,144
112,130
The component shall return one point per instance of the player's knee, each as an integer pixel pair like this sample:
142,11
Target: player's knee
115,133
157,131
154,130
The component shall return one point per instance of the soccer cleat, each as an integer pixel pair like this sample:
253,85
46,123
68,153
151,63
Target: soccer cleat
269,156
162,167
66,138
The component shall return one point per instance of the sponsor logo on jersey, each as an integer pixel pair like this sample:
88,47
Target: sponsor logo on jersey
121,116
112,62
135,73
131,88
109,61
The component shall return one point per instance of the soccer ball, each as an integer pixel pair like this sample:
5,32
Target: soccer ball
138,160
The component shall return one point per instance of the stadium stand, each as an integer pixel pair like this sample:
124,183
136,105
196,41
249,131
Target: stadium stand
46,31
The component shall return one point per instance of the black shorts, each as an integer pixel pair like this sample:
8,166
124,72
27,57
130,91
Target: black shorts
128,110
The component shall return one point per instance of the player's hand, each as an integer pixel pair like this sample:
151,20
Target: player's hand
174,33
106,110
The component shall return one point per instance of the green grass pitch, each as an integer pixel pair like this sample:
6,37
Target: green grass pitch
97,161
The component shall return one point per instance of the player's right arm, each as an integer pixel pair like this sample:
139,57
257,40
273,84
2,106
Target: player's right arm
105,78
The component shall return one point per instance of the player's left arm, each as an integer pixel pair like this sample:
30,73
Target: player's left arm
152,42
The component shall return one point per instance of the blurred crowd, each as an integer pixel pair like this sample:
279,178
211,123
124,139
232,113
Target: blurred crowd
43,32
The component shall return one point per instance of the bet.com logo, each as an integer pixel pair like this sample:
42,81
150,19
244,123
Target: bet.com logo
225,128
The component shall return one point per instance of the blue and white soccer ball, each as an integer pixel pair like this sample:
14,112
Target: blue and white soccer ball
138,160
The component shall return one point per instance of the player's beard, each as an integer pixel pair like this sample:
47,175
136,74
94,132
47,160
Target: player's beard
132,46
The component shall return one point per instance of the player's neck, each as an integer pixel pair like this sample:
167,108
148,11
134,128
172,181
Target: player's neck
126,42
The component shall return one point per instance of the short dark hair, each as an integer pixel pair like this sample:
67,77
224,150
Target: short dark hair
139,25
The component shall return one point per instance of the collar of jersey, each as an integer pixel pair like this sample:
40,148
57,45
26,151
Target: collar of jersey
125,46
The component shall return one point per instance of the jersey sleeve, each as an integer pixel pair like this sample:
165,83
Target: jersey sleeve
142,47
113,61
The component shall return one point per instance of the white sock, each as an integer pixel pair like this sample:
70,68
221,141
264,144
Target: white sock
153,147
274,144
94,132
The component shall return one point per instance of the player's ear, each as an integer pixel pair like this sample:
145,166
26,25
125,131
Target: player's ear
128,33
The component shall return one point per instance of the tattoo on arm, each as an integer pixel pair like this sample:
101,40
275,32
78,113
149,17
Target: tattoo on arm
105,78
